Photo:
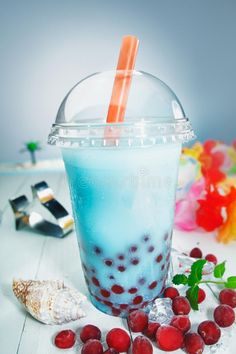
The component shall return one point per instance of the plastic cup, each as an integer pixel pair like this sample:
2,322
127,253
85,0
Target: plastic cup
122,187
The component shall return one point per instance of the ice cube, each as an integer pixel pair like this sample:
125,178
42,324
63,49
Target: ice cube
182,264
161,311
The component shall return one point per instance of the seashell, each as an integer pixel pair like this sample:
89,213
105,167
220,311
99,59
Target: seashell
49,301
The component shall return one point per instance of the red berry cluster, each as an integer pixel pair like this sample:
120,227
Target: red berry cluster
197,253
170,337
117,340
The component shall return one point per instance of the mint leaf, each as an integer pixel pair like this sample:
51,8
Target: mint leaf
196,272
231,283
219,270
180,279
192,296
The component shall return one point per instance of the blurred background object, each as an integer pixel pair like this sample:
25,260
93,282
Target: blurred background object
32,147
48,46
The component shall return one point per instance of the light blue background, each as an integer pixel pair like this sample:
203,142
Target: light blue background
47,46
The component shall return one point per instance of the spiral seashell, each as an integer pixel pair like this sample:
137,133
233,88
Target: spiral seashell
49,301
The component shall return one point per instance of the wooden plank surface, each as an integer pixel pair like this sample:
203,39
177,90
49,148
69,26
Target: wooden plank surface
20,255
27,255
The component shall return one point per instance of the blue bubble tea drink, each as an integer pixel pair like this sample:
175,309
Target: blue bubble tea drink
122,178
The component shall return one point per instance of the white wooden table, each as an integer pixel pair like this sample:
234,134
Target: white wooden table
31,256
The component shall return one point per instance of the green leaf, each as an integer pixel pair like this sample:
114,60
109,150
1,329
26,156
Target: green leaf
231,283
192,296
232,171
196,272
180,279
219,270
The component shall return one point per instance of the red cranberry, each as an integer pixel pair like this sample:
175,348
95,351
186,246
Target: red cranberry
121,257
108,303
118,339
169,338
65,339
123,306
142,345
111,351
228,297
137,300
201,295
159,258
95,281
121,268
90,332
92,346
209,331
211,258
224,315
196,253
150,330
181,322
181,306
138,321
117,289
152,285
133,248
193,343
171,292
115,311
108,262
105,293
133,290
135,261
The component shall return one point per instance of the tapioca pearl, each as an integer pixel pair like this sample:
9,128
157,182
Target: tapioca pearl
111,277
137,300
108,262
93,270
142,281
124,306
97,250
108,303
133,248
134,261
98,298
121,268
168,257
150,249
117,289
146,238
163,267
159,258
152,285
115,311
95,281
105,293
132,290
121,257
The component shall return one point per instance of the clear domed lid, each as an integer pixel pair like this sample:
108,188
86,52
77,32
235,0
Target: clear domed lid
153,113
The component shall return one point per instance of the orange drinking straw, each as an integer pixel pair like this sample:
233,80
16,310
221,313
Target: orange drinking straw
122,82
